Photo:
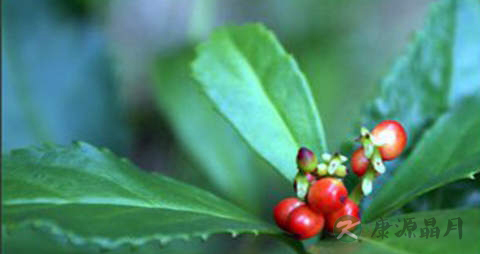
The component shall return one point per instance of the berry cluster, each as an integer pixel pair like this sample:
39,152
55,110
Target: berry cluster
326,198
321,195
386,142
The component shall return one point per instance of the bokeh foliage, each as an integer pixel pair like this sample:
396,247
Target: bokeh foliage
72,75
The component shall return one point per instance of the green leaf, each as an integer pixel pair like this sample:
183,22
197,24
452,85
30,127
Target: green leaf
403,244
89,195
433,81
438,70
447,152
204,134
30,240
259,88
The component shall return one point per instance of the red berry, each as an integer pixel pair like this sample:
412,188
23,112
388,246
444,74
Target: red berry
305,223
359,162
393,138
283,209
327,195
350,208
306,160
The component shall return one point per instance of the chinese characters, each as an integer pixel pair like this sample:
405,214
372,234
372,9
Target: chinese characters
408,227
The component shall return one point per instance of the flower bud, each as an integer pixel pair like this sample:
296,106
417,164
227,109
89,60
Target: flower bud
322,169
341,171
306,160
326,157
366,139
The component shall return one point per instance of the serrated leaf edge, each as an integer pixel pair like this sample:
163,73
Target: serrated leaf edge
107,243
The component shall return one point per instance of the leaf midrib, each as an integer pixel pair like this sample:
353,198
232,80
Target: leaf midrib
55,203
258,82
85,172
148,203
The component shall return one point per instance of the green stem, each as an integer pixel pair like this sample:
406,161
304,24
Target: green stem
356,195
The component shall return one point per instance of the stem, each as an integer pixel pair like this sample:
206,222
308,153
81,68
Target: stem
357,195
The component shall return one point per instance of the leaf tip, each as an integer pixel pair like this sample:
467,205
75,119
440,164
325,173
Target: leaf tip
165,240
233,233
185,237
204,237
471,176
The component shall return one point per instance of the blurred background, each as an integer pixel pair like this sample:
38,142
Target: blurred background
116,74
